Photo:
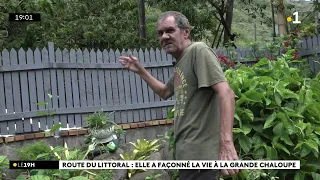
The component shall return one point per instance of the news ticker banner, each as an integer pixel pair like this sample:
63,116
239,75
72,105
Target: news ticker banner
278,164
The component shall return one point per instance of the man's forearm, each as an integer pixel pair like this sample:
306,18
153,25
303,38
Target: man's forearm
155,84
227,109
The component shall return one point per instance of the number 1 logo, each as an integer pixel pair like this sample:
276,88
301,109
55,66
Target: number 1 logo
296,18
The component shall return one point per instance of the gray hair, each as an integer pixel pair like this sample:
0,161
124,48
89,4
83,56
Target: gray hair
181,20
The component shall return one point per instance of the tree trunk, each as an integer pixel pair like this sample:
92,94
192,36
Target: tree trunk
142,19
317,18
229,14
273,20
281,17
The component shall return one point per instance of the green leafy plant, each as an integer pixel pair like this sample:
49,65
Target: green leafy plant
145,147
4,163
169,136
104,174
134,156
142,151
99,120
36,177
120,131
277,115
49,114
153,176
62,153
31,151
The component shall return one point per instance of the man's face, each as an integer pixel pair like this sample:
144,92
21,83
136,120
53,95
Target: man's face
171,37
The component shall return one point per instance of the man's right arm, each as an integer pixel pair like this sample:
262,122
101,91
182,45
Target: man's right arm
158,87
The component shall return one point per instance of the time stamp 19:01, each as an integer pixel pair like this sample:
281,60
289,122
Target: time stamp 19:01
24,17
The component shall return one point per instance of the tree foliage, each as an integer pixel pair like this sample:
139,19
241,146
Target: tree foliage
106,24
72,24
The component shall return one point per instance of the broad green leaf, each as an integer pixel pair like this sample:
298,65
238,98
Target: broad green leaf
257,127
302,94
287,94
277,98
294,70
21,177
291,80
314,137
268,101
315,153
305,151
265,79
242,100
42,103
285,137
243,174
49,95
246,128
286,71
78,178
269,121
58,149
253,96
308,96
248,114
245,143
278,128
257,139
258,153
280,146
300,143
42,155
39,177
56,127
312,144
301,125
237,130
286,123
314,108
253,84
52,113
315,176
236,117
42,113
313,164
271,153
275,139
262,61
309,129
317,129
290,51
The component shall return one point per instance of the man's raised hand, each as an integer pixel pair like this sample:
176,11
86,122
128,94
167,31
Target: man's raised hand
131,63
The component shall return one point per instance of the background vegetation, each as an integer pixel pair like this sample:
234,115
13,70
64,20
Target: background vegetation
114,24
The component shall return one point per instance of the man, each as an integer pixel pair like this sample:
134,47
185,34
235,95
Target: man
204,109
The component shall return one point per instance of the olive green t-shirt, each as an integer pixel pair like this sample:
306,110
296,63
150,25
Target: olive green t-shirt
197,113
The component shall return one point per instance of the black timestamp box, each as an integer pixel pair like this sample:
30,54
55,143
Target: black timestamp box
24,16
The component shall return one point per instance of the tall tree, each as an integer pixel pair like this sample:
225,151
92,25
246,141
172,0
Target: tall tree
281,17
229,14
142,19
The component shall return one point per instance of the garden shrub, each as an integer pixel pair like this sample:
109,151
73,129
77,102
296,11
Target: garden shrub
277,115
31,151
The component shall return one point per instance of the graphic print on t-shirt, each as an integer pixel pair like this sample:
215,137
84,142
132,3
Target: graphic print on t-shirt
180,92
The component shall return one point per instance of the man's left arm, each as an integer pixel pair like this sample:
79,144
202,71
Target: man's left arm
227,109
